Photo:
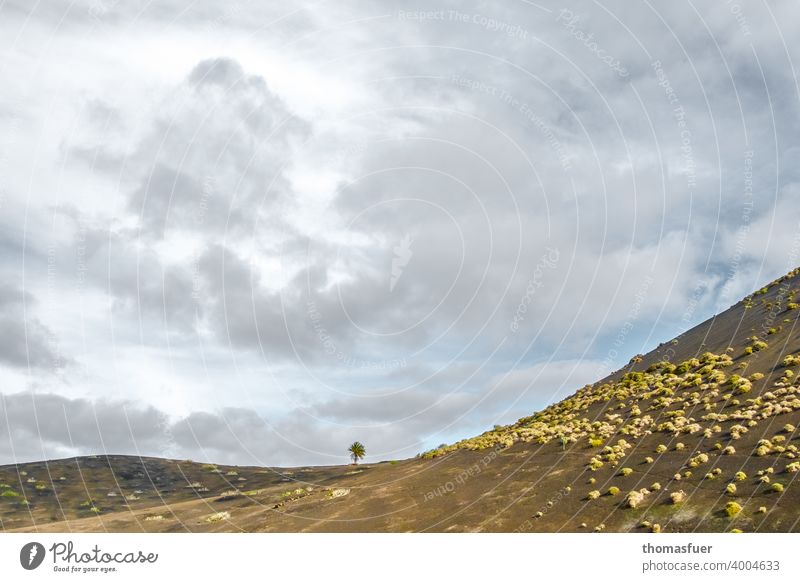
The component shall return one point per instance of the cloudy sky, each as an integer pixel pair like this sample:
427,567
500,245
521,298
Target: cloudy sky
253,232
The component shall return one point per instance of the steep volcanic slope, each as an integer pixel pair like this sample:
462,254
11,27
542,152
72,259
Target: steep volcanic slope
698,435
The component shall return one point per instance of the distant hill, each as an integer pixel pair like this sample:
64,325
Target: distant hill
698,435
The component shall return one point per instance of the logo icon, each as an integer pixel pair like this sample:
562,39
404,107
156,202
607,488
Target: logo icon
402,255
31,555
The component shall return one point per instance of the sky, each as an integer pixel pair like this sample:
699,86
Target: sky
254,232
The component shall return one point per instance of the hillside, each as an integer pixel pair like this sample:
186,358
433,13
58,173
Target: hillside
697,435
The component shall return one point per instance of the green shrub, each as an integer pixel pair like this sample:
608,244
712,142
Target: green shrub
9,493
678,497
777,488
732,508
791,360
625,471
613,490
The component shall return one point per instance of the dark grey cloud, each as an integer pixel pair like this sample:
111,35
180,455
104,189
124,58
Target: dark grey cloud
25,342
50,426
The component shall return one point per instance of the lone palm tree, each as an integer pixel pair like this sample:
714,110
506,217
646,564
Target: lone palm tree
357,452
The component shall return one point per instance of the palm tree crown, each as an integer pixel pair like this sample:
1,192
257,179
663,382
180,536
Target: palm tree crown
357,452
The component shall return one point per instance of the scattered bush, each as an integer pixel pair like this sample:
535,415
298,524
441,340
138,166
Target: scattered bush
698,460
219,516
625,471
228,495
791,360
732,508
730,489
661,449
613,490
777,488
740,476
678,497
634,498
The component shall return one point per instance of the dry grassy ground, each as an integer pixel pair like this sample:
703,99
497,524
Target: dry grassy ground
671,438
